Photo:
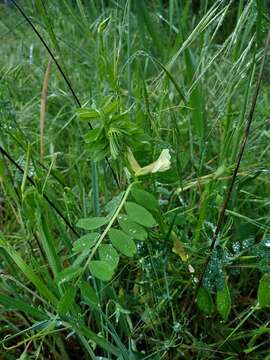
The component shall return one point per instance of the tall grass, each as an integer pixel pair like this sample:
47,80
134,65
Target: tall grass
181,76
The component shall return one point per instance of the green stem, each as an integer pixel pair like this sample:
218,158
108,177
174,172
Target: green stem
106,230
95,188
26,169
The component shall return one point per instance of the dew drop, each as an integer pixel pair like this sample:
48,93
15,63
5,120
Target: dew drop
267,243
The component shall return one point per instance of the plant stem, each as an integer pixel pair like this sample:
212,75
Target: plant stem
235,172
106,230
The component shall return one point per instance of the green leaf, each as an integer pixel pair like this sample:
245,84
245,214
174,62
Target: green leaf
122,242
224,302
2,169
146,199
110,106
264,291
80,258
49,245
68,274
92,337
108,253
88,294
92,223
139,214
103,24
100,155
12,303
96,146
93,135
113,204
88,114
134,230
85,242
42,9
36,327
204,300
30,273
101,270
66,301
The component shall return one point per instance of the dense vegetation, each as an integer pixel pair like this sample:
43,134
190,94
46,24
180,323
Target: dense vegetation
115,241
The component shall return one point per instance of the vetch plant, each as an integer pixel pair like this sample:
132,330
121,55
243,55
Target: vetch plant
132,225
112,129
122,282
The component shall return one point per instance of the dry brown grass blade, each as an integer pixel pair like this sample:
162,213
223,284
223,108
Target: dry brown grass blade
43,107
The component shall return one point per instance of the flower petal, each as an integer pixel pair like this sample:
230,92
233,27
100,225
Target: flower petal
132,161
163,163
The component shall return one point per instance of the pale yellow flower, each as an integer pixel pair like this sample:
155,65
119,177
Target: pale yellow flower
163,163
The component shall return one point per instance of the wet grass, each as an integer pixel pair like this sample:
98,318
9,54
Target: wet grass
163,75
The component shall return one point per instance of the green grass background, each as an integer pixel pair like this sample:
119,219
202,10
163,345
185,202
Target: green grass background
185,71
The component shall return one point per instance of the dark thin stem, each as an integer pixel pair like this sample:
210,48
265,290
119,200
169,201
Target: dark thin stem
21,145
113,172
44,195
63,75
49,51
221,218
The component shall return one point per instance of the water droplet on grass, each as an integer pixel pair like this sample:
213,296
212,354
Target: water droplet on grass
267,243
